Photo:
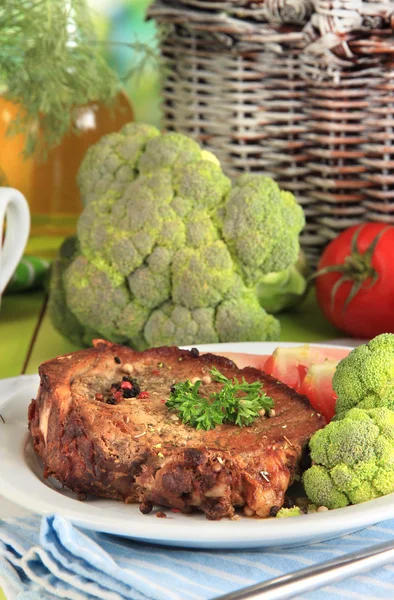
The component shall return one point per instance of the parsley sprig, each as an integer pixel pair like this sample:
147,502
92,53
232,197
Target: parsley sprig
238,402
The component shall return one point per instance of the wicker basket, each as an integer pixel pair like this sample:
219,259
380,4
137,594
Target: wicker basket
298,90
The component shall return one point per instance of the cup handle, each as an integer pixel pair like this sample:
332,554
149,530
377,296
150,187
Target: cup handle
14,206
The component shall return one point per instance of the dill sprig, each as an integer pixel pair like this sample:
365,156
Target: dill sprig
50,65
238,402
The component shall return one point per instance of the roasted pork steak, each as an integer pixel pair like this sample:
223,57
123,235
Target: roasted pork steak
100,425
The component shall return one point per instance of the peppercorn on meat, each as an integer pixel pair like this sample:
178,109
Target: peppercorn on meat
101,426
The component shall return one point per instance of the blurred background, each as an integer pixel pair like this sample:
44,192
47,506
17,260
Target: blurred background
119,22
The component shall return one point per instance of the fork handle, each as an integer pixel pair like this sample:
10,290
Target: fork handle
312,578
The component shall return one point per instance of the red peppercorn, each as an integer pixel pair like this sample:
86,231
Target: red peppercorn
99,396
163,400
118,396
126,385
155,372
143,395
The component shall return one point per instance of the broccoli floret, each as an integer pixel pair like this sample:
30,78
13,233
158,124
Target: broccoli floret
150,288
365,378
182,206
168,151
352,459
200,230
167,253
160,259
58,310
180,325
111,163
242,318
203,182
202,277
283,513
319,486
118,234
206,155
261,225
96,302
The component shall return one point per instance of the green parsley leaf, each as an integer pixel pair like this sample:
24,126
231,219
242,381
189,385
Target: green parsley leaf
237,402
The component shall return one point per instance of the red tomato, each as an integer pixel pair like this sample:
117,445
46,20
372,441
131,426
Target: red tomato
290,365
317,387
370,311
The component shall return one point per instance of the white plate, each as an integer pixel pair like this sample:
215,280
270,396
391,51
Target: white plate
22,482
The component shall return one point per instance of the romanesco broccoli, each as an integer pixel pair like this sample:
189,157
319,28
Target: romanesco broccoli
352,459
365,378
167,250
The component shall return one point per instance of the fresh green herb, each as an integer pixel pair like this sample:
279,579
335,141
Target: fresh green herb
52,63
195,410
237,402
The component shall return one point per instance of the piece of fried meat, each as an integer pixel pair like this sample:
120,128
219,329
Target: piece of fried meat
100,425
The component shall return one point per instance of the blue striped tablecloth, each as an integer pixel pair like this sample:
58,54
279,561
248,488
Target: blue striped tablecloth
48,558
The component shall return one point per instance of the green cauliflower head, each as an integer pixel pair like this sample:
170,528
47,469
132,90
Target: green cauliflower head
365,378
167,250
352,459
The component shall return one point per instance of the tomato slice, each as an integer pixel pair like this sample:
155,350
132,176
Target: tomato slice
317,387
290,365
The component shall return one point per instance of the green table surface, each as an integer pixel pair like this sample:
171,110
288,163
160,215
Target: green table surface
28,338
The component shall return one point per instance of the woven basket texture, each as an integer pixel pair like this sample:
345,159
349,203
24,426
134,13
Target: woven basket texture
300,90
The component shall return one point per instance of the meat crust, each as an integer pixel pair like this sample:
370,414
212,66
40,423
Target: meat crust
138,451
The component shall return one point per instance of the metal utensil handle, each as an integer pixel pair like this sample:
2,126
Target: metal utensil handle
312,578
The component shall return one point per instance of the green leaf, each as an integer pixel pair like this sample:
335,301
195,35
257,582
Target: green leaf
236,403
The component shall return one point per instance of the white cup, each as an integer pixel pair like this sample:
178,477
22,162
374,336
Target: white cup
14,207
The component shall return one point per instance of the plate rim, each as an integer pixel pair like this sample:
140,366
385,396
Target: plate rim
200,533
